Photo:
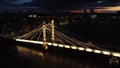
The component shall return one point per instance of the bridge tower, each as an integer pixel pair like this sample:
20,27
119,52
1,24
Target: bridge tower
53,31
44,36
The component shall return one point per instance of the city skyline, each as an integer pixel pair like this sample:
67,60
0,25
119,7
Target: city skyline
100,6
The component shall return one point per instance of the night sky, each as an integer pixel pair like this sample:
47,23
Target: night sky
103,5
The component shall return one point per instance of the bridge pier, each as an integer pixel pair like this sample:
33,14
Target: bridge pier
113,60
45,45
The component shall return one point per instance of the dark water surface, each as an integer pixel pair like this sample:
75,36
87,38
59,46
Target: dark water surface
12,56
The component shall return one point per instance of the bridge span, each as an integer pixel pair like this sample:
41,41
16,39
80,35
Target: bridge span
48,35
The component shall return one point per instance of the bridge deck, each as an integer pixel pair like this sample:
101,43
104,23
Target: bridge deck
104,52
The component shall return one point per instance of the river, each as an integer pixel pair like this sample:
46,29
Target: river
13,55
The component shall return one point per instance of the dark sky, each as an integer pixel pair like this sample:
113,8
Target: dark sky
59,4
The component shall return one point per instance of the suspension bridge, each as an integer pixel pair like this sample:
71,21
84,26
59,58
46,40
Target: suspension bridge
49,35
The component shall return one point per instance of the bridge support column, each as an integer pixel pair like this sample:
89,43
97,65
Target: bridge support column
44,36
113,60
53,30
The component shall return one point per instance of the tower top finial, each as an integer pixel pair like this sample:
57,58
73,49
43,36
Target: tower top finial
43,22
52,21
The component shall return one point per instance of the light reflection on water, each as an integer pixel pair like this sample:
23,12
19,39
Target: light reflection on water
45,60
24,51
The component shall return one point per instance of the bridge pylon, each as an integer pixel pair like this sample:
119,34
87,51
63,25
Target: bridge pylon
53,30
44,36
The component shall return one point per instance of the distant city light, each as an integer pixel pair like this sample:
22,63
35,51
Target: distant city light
30,16
34,16
93,16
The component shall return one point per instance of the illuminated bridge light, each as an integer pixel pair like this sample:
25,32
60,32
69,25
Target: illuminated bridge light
106,52
88,49
60,45
116,54
67,46
73,47
49,44
81,48
37,42
97,51
54,44
30,41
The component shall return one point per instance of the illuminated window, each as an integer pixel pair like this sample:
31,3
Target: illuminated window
93,16
34,16
114,17
30,16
